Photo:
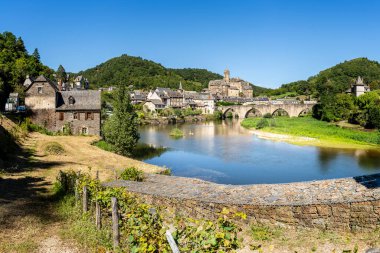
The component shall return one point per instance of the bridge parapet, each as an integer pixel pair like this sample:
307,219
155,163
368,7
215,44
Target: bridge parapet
294,109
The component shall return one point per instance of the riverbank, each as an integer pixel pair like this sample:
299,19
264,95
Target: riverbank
307,131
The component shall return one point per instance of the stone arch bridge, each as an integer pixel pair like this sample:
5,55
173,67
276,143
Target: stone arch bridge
293,109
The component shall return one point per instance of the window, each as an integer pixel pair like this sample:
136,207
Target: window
61,116
76,115
39,90
84,130
71,100
89,116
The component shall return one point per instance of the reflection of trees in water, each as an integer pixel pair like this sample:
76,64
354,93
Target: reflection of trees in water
325,156
368,159
144,151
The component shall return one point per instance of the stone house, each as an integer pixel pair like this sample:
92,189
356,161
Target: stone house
205,102
153,105
54,109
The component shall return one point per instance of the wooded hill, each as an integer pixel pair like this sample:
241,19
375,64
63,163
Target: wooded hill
335,79
146,74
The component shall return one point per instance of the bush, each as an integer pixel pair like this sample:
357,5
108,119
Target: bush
176,132
262,123
267,116
142,226
132,174
229,115
166,172
28,126
54,148
217,115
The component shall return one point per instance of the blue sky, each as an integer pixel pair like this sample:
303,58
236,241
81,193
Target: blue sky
265,42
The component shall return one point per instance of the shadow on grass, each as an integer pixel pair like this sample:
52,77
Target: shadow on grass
25,197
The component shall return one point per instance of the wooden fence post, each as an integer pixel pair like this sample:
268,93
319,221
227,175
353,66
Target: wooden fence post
171,242
85,201
76,191
98,216
97,175
115,223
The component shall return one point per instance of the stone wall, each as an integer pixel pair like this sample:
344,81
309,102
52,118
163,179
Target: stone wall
349,204
92,123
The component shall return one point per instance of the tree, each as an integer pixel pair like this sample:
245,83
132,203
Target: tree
120,129
61,73
36,54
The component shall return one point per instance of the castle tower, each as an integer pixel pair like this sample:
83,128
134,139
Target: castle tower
227,75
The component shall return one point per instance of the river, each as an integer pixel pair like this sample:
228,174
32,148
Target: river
224,152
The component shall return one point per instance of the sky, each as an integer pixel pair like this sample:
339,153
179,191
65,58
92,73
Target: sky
266,42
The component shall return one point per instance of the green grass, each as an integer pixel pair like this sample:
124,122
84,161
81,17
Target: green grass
310,127
264,233
176,133
82,227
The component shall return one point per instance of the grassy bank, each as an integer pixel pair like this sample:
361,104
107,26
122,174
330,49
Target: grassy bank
322,133
141,152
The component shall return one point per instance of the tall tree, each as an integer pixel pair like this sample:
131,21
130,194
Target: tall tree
120,129
61,73
36,54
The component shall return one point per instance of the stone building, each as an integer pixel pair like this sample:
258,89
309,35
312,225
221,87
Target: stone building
230,87
358,88
54,108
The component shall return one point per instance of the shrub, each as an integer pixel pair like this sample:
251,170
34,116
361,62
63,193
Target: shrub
267,116
54,148
262,123
217,115
132,174
166,172
229,115
176,133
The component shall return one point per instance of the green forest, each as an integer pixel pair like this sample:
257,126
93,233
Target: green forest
145,74
334,80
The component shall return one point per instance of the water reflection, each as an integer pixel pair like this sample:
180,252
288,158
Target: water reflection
224,152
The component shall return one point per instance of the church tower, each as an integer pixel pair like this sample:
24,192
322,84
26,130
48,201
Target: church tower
227,75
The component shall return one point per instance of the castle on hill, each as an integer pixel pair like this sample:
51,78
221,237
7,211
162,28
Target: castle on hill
230,87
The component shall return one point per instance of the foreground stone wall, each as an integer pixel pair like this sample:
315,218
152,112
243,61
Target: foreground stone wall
350,204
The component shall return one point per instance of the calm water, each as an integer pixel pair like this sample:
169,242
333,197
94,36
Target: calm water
227,153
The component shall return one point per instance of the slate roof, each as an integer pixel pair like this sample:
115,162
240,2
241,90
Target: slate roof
43,79
174,94
156,101
88,100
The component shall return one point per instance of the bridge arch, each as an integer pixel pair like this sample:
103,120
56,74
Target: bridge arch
304,112
254,111
280,112
228,110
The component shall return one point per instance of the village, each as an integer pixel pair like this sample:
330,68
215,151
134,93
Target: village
189,126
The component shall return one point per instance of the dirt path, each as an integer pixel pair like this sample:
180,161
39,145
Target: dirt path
28,219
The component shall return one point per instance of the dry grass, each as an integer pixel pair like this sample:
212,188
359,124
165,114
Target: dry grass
28,221
81,155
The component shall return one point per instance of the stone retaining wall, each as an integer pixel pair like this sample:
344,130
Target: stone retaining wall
349,204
